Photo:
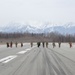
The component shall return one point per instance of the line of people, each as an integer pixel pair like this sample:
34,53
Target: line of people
44,44
54,45
11,44
39,43
59,44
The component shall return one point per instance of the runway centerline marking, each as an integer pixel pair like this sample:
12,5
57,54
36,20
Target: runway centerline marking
7,59
21,52
28,49
24,51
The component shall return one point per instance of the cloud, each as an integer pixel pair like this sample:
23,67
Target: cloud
40,10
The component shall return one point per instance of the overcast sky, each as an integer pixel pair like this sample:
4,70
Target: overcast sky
56,11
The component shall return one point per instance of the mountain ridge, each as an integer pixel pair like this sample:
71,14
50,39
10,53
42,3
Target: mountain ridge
68,28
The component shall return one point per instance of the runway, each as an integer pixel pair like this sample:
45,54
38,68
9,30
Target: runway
37,60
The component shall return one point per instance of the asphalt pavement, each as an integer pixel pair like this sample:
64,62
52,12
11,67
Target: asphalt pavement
35,60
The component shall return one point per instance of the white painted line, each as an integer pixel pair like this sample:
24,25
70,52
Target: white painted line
24,51
21,52
7,59
10,59
28,49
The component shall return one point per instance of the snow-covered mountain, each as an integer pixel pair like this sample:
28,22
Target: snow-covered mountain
68,28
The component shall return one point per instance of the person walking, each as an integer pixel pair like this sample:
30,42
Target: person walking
70,44
43,44
16,44
53,44
59,44
31,44
7,44
11,44
21,44
47,44
38,44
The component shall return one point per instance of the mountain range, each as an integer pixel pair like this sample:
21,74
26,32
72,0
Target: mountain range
68,28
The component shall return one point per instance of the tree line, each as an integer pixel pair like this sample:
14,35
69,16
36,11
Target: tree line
52,36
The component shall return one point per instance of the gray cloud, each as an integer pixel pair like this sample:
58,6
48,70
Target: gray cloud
40,10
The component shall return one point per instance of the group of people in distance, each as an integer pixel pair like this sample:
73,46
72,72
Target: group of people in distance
38,44
11,44
59,44
53,44
43,44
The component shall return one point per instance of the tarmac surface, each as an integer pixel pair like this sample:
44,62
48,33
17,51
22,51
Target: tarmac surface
37,61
